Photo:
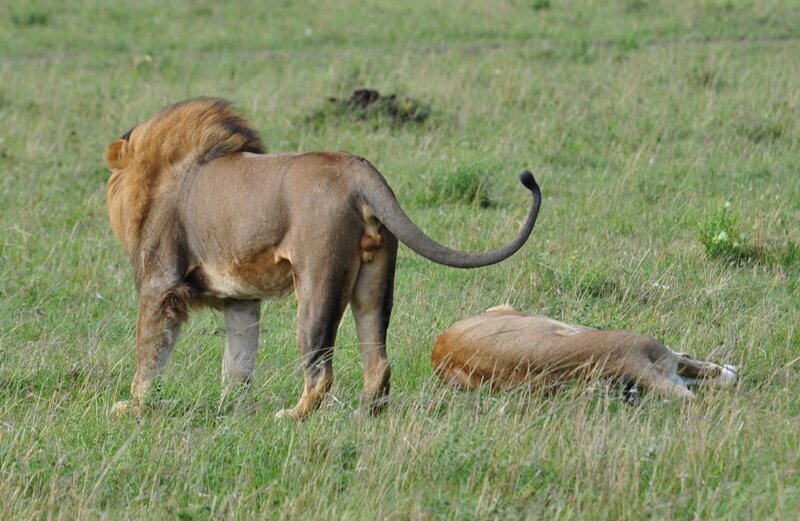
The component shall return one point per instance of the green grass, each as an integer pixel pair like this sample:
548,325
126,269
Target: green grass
639,120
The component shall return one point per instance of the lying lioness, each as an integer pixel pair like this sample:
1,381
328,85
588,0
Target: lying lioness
504,348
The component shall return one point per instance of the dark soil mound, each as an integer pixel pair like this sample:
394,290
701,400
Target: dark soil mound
370,105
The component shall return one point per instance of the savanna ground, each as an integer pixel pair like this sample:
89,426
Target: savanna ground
665,138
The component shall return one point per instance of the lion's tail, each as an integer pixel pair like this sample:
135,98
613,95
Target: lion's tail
386,208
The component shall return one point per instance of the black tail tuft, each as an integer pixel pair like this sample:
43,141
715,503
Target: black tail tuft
527,180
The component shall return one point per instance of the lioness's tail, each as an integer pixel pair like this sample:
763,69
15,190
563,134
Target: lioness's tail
388,211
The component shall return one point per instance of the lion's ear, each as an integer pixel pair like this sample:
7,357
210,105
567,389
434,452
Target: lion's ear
114,155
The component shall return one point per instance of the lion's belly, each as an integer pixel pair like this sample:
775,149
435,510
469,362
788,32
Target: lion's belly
261,276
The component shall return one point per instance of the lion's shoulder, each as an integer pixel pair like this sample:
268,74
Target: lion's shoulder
145,160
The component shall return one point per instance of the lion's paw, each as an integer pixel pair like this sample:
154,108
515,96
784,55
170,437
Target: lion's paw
125,407
121,407
290,414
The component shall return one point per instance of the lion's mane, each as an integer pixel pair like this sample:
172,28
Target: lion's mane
147,160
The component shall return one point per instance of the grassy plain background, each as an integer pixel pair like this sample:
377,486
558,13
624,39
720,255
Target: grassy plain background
639,118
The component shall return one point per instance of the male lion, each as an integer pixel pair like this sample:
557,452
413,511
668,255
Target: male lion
504,348
208,218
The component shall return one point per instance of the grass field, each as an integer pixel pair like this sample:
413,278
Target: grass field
665,138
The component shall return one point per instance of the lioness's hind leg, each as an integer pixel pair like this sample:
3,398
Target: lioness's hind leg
699,372
241,325
656,381
371,303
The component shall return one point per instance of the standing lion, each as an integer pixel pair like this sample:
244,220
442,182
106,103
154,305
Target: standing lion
208,218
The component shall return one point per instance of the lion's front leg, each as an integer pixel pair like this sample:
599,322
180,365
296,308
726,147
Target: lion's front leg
161,314
241,325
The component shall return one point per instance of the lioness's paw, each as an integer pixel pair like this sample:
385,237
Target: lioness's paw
728,374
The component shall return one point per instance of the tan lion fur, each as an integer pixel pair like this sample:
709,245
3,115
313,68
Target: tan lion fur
504,348
155,154
208,218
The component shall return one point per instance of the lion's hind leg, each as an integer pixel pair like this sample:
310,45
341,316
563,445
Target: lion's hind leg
323,285
371,304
